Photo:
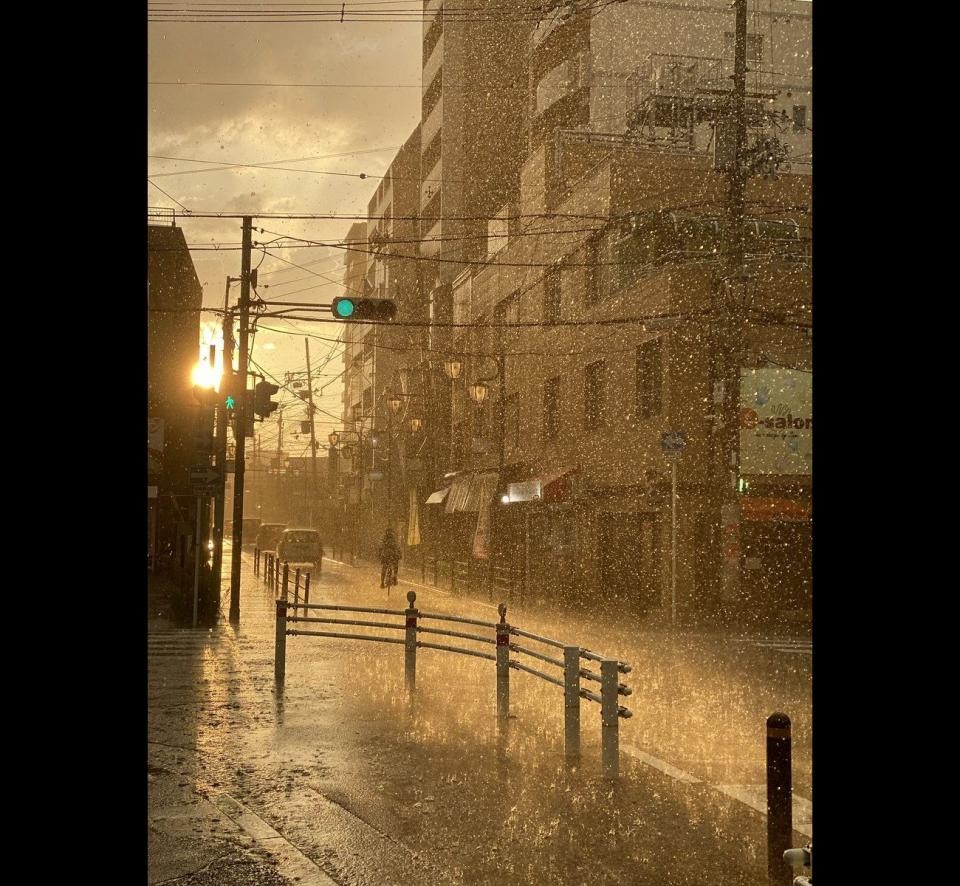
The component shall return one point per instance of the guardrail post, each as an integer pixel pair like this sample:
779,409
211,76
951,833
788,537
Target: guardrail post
571,704
306,594
779,799
271,571
410,644
256,561
280,647
265,570
610,717
503,668
276,577
286,581
296,590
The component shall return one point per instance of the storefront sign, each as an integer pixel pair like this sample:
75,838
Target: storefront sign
776,421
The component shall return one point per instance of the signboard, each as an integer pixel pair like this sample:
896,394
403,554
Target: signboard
776,421
481,538
673,443
203,475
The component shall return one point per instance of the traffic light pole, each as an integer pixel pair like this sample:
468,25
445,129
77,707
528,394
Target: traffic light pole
241,419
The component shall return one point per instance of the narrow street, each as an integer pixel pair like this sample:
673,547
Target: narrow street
339,780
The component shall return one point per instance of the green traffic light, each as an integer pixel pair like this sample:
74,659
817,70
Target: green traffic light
345,307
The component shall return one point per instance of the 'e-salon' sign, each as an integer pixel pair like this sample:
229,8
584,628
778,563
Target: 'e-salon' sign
776,421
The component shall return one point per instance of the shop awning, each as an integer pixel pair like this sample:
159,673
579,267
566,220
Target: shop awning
556,486
438,496
459,490
550,486
765,508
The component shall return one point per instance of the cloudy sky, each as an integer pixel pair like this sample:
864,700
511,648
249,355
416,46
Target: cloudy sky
343,129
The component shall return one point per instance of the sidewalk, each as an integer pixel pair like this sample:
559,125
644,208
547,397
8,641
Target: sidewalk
338,779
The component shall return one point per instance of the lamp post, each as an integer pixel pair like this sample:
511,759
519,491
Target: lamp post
394,402
478,391
452,367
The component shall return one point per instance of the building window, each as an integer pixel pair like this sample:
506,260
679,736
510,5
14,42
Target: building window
506,310
799,118
650,378
551,295
594,395
551,408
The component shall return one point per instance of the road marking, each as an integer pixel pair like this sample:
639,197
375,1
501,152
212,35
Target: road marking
662,765
291,862
755,796
752,795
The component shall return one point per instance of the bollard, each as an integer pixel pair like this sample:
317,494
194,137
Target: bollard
779,799
286,581
280,648
571,704
503,667
410,644
610,717
306,594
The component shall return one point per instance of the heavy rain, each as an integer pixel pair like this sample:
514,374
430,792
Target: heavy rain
480,442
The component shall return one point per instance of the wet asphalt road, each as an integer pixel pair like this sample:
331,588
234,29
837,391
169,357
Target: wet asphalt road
338,779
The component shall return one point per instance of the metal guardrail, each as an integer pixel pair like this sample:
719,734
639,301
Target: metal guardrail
466,575
572,670
267,565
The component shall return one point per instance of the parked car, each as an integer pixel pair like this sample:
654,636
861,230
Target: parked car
269,535
301,547
248,530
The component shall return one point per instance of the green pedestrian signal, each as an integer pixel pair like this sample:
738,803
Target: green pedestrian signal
230,402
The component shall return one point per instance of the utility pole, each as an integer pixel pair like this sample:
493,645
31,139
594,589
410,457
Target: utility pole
313,436
729,319
240,409
221,442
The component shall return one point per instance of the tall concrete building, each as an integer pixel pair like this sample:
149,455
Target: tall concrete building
474,102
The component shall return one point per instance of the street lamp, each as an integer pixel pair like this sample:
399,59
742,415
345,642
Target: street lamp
478,392
394,401
452,367
334,438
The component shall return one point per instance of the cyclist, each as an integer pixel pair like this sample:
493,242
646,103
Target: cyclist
389,554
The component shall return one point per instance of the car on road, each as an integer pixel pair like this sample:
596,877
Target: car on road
268,535
248,530
301,547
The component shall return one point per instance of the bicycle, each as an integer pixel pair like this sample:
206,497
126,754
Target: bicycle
390,576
